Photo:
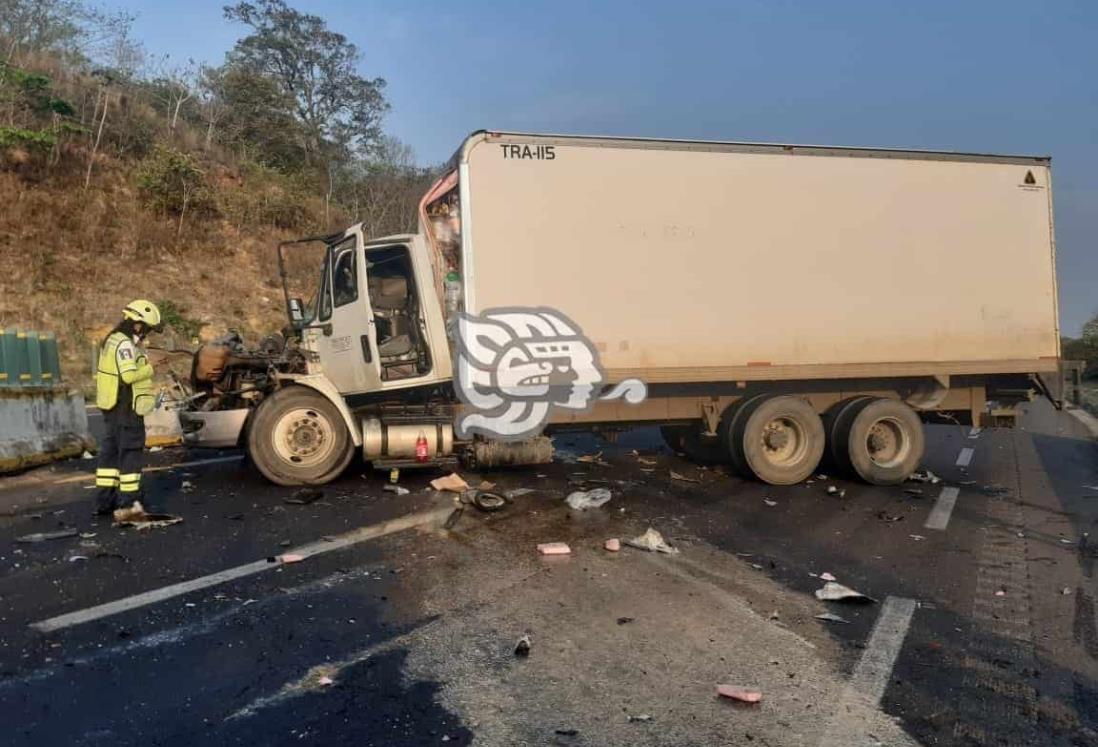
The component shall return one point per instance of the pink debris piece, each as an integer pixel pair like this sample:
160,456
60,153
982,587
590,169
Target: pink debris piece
325,681
735,692
554,548
291,558
613,545
827,577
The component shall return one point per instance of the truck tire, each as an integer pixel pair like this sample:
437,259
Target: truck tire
837,426
883,441
732,420
297,437
780,437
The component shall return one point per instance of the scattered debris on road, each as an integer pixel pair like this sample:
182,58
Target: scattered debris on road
640,719
516,492
652,541
87,455
825,576
995,491
522,648
305,496
290,558
613,544
832,490
625,620
769,502
836,592
554,548
682,478
917,537
1066,591
832,617
46,536
584,499
452,482
396,489
742,694
186,486
595,458
889,518
325,680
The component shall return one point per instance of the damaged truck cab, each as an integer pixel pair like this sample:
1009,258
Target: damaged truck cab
763,294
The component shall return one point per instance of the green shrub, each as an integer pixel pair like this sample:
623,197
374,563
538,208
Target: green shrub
173,315
171,182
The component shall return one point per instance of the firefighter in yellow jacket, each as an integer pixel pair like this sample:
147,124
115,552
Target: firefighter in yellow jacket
124,392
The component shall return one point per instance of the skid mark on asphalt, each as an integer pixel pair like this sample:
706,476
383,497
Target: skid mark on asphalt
423,518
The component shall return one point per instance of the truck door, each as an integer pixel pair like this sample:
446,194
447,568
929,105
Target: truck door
343,331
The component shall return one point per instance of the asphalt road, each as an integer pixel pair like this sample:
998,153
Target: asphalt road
983,632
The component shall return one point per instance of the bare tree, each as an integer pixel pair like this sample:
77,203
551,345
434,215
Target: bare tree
174,85
36,25
211,98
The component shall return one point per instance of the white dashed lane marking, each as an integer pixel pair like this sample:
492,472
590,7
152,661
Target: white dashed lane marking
943,509
965,457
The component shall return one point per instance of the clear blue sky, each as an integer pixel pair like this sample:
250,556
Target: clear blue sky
1012,76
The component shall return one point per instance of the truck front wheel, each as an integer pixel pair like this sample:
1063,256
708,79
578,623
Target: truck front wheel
883,442
780,438
297,437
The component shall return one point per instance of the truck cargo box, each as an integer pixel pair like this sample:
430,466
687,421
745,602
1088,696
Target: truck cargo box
695,261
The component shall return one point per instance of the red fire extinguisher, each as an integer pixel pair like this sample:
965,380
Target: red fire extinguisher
421,447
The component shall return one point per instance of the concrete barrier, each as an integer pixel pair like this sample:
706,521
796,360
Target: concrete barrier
40,425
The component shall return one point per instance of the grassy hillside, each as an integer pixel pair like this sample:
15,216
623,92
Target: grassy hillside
171,185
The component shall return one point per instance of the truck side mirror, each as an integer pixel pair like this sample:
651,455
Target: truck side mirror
297,311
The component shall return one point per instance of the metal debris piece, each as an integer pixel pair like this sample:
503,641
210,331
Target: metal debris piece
144,521
652,541
769,502
45,536
396,489
832,617
682,478
924,476
836,592
584,499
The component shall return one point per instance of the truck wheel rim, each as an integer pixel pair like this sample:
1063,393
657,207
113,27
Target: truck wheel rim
887,443
784,442
304,437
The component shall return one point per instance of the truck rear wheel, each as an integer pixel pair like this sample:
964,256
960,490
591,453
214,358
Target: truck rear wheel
837,425
297,437
883,441
781,438
732,431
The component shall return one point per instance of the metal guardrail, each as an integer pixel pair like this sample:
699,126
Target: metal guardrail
28,359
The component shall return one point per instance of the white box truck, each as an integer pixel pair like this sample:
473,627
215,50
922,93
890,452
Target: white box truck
781,304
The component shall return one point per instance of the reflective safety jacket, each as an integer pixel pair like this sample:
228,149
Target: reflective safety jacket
123,363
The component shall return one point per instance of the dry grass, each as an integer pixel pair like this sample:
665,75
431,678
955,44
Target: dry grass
70,259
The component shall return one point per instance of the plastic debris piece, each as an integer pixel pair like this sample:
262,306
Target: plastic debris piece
325,680
613,545
87,535
652,541
186,486
913,491
396,489
650,462
45,536
1000,593
452,482
836,592
1066,591
682,478
821,476
516,492
554,548
291,557
154,449
590,458
769,502
584,499
832,490
832,617
742,694
917,537
87,455
522,647
75,558
825,576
